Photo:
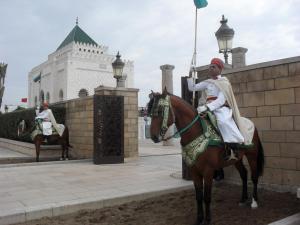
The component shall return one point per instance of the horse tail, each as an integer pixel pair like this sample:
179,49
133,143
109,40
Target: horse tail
260,157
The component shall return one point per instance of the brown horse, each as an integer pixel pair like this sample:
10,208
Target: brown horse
40,139
165,110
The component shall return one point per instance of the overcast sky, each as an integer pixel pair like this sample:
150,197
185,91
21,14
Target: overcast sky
149,32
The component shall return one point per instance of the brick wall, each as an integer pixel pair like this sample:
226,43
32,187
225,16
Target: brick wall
269,94
79,119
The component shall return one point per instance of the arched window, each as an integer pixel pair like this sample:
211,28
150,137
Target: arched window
48,97
61,95
83,93
42,97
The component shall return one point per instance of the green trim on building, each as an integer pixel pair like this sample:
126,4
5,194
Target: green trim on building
77,35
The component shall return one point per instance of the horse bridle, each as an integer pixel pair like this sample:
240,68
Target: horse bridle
166,106
165,103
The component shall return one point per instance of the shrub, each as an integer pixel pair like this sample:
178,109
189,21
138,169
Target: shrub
9,122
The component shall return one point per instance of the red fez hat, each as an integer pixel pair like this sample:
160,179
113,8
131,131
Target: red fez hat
218,62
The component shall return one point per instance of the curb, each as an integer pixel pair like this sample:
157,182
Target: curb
291,220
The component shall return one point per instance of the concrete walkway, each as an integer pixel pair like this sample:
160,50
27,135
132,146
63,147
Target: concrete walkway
5,153
33,190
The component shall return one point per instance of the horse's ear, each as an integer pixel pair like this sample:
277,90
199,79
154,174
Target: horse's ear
151,94
165,92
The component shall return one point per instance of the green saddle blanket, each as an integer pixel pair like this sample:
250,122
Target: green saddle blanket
210,137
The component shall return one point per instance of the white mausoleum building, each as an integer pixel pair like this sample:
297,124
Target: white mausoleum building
77,66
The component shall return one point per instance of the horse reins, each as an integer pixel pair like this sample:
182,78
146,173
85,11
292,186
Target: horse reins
166,104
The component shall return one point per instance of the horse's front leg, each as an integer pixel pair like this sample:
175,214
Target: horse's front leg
198,184
37,150
208,178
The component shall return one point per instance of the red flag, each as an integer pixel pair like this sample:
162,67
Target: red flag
23,99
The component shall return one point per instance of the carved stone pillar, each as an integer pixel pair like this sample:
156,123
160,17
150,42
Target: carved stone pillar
239,57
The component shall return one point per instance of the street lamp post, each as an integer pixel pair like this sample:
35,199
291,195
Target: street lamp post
224,36
118,66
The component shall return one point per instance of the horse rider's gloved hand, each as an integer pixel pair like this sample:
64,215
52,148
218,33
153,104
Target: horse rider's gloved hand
202,108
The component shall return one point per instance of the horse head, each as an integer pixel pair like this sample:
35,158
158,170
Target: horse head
21,127
159,108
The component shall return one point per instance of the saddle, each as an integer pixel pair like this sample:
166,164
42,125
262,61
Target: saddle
211,137
44,128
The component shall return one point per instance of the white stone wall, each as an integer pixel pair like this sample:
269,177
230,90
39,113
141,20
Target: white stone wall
74,67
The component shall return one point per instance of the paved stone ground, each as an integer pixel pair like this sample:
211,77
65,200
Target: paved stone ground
33,190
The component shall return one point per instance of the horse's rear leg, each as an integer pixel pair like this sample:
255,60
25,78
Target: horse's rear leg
66,152
63,149
254,177
243,174
198,184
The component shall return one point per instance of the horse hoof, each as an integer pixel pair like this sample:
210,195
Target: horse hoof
254,204
67,159
61,159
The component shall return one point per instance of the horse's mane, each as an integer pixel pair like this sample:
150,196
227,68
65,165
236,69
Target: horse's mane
185,103
150,106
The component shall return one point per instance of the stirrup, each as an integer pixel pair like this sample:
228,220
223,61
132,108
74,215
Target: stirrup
232,156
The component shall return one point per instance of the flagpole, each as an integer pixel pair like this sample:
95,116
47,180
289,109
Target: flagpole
194,60
40,96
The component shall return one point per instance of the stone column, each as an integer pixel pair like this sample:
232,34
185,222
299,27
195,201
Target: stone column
3,67
167,81
130,116
238,57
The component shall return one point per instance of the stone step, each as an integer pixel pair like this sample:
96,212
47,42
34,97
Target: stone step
291,220
29,148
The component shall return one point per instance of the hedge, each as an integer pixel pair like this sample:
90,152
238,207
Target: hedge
9,122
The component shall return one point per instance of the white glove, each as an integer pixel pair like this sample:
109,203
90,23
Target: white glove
202,108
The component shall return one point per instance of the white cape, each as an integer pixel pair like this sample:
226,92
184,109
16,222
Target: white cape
245,125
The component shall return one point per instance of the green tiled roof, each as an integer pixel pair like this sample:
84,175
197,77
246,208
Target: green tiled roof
77,35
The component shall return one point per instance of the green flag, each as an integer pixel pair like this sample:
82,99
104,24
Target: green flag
200,3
